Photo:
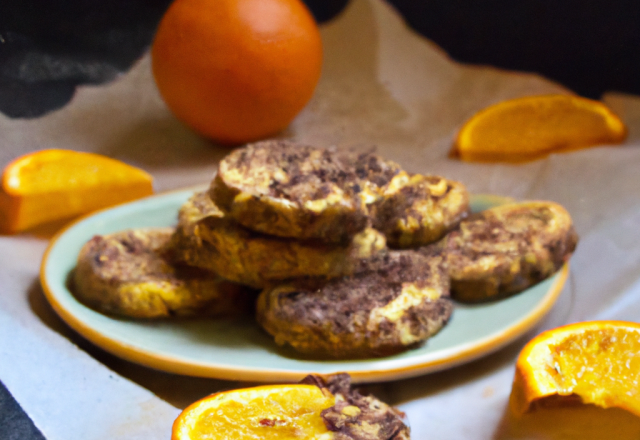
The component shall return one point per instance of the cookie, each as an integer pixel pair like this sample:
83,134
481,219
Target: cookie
415,210
392,303
209,239
505,249
126,274
356,416
298,191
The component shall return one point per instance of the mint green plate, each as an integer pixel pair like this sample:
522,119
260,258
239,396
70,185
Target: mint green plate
239,349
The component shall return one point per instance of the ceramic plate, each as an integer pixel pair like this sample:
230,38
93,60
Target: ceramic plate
238,349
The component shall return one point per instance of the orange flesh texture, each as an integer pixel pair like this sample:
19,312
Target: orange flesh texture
51,185
532,127
250,91
597,361
269,412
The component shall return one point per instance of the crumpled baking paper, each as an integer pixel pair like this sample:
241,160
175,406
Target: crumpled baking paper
382,85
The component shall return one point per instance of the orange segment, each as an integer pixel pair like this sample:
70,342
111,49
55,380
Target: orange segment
597,362
50,185
535,126
267,412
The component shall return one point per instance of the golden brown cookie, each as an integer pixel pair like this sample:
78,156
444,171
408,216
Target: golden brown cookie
508,248
299,191
392,302
209,239
415,210
126,274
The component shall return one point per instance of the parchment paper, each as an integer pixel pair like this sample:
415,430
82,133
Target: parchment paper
382,85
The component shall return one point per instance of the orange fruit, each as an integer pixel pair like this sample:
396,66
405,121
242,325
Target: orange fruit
50,185
584,422
265,412
237,70
535,126
596,362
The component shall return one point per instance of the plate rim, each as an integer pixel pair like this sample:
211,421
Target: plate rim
164,362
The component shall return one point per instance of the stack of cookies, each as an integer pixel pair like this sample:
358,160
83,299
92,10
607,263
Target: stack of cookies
353,256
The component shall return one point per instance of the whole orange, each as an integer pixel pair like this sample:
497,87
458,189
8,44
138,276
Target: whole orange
237,70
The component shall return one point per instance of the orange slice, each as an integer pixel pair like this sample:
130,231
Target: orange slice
595,362
533,127
50,185
267,412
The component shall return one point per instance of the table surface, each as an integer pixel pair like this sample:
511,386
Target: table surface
383,85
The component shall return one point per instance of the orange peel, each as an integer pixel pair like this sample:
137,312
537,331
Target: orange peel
50,185
532,127
264,412
595,362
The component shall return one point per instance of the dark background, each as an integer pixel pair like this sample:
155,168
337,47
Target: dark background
48,47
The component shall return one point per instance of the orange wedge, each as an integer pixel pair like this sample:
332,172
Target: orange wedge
595,362
533,127
50,185
267,412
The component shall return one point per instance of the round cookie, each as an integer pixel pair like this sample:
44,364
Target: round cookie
415,210
209,239
126,274
299,191
392,302
508,248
